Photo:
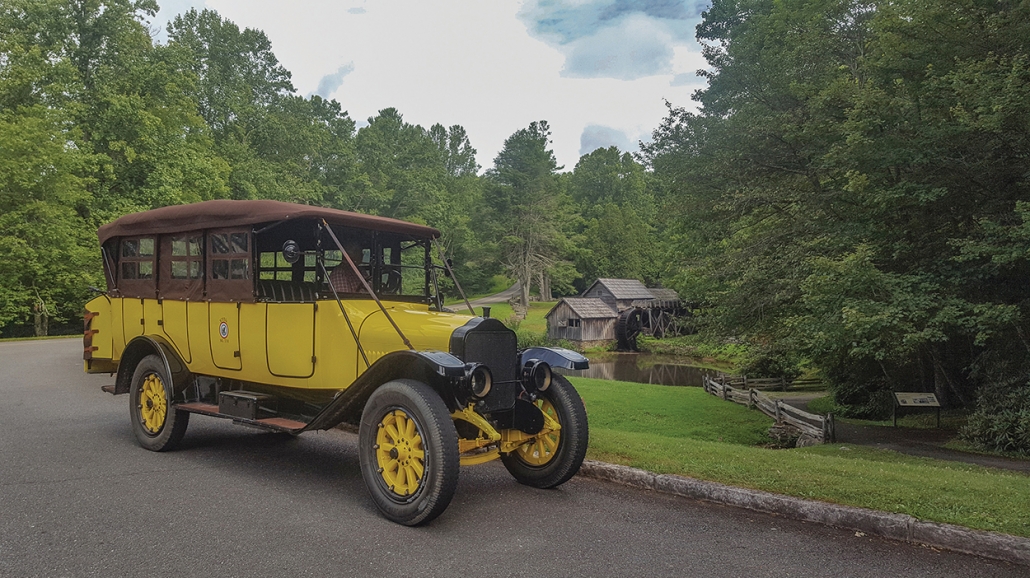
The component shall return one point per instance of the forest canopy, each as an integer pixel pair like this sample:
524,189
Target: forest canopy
848,194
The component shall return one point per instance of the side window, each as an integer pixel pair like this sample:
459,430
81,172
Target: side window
136,267
137,259
229,265
230,255
186,257
182,266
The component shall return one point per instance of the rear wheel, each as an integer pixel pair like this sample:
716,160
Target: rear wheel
157,425
550,460
408,452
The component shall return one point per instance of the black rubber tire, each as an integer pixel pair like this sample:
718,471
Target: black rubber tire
176,421
572,444
439,441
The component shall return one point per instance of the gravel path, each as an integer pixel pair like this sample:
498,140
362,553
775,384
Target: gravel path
927,443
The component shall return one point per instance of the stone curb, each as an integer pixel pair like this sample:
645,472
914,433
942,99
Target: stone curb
899,527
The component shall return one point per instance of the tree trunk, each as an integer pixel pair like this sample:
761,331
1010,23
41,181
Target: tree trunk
41,321
524,290
545,287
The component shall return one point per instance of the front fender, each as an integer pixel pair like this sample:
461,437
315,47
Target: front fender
441,371
555,357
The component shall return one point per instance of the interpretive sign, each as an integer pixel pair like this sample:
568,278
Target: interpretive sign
916,399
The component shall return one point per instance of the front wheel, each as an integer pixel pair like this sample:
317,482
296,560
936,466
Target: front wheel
550,460
408,449
157,425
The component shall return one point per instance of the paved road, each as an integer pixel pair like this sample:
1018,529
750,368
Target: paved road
78,497
501,297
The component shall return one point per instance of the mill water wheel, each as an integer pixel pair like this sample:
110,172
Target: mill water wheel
627,328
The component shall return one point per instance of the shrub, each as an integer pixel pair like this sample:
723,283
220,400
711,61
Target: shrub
1001,421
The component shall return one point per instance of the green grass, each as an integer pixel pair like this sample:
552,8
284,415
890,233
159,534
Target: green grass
534,321
822,405
685,431
726,355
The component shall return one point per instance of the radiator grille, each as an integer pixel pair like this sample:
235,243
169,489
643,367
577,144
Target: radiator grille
496,349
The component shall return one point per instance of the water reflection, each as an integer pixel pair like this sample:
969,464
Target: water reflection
643,368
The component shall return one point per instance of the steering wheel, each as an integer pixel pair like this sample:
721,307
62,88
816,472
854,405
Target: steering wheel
393,279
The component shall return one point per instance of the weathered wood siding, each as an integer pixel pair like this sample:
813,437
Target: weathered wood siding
588,330
603,294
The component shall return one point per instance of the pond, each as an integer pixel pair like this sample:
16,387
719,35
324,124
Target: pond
645,368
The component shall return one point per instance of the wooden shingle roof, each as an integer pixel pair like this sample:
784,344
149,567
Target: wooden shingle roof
586,308
624,288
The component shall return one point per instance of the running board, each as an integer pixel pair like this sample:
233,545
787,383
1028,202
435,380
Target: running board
280,424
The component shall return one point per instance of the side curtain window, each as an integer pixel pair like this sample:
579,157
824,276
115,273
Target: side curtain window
137,274
182,266
229,265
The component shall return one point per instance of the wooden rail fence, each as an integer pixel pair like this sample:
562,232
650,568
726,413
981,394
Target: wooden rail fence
819,427
761,383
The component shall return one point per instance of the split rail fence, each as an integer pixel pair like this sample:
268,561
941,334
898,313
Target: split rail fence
762,383
819,427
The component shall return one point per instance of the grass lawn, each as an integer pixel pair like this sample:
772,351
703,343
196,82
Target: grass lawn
682,430
534,320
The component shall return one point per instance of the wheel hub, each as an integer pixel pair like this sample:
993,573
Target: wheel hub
399,453
542,449
153,404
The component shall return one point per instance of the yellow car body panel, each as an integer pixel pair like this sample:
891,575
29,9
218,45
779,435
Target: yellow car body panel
296,345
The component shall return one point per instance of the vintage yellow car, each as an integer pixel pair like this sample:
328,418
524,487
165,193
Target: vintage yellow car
295,318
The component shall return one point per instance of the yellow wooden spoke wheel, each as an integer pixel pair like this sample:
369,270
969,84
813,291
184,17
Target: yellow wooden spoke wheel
551,459
399,453
158,426
408,450
153,405
542,448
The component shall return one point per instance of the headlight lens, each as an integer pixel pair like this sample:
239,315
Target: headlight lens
536,375
480,380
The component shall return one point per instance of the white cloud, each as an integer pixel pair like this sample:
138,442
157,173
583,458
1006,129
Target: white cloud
463,62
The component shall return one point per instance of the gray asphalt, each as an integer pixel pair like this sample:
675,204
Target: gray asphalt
78,497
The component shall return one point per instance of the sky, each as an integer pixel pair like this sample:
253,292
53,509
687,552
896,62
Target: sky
598,71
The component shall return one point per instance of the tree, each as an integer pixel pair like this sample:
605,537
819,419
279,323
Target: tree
279,145
618,239
523,196
846,182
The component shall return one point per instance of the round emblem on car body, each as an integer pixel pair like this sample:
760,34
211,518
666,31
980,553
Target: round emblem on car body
223,329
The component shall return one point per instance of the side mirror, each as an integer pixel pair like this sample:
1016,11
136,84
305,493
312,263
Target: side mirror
291,251
450,265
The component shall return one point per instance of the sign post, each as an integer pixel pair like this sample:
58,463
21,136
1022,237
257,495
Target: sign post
915,399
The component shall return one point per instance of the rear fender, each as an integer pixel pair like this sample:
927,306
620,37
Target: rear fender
143,346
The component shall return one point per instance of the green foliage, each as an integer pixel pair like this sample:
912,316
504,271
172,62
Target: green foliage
851,189
698,346
1001,422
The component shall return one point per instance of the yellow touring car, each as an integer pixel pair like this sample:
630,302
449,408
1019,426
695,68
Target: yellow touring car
233,309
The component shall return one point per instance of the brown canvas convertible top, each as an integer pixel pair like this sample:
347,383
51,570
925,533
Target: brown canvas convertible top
229,213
